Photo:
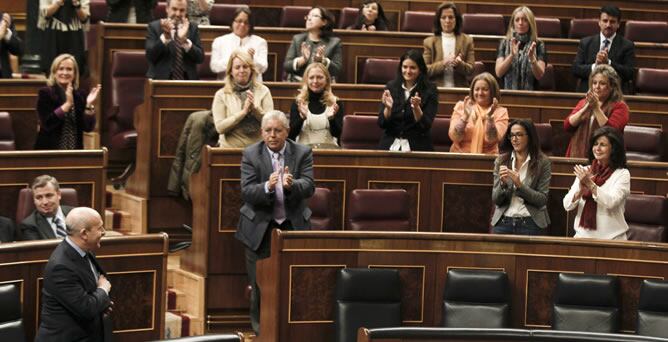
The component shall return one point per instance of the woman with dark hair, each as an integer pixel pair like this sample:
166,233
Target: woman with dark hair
64,111
521,182
408,108
521,56
63,23
478,123
371,17
602,106
449,52
241,37
316,116
317,44
600,190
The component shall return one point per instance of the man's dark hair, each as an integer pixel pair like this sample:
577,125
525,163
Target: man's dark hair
612,11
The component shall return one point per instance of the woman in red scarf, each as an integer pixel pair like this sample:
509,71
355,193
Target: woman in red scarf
602,106
600,190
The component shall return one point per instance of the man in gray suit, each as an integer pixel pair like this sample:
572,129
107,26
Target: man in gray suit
276,181
47,221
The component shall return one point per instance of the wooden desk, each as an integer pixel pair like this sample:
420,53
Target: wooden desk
83,170
298,281
160,119
447,193
137,269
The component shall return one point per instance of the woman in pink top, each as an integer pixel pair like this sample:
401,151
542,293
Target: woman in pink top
602,106
479,123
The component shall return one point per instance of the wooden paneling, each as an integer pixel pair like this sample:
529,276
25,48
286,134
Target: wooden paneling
137,270
454,196
84,170
531,263
19,98
160,119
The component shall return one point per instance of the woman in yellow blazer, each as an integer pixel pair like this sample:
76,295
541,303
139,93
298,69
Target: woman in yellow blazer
449,53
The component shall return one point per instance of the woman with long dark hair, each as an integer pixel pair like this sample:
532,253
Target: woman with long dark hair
371,17
449,52
317,44
522,176
408,108
600,189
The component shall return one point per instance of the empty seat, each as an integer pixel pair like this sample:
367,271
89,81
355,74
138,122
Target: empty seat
439,134
647,217
11,319
583,27
478,68
360,132
547,82
204,69
653,308
207,338
379,70
294,16
26,205
584,302
128,75
321,209
476,299
646,31
378,209
223,14
416,21
368,298
643,143
652,82
548,27
544,131
348,16
7,142
483,23
98,11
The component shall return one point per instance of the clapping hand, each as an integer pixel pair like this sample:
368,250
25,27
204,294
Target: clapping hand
319,54
490,113
593,100
92,96
182,32
468,108
457,61
302,108
306,51
287,179
167,26
416,100
532,52
503,173
514,47
249,104
251,52
69,94
602,56
387,99
583,173
331,111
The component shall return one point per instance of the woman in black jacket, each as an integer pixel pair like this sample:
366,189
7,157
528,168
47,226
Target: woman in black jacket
409,105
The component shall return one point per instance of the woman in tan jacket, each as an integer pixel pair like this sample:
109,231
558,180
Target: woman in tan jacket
239,106
449,53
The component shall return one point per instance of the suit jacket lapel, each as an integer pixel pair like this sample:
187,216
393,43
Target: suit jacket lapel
439,49
458,45
44,226
289,157
83,268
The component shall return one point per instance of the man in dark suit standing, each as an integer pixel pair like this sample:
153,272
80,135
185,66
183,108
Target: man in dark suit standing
47,221
9,43
173,46
276,181
607,47
75,296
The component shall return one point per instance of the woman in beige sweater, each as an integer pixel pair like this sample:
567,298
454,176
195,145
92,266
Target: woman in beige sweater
239,106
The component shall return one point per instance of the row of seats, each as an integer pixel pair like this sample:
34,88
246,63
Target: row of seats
492,24
418,21
7,142
646,215
371,298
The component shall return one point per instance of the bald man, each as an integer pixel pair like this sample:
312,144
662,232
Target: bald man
75,295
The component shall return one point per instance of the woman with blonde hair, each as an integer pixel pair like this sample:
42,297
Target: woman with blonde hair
239,106
602,106
521,57
479,123
316,116
64,111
